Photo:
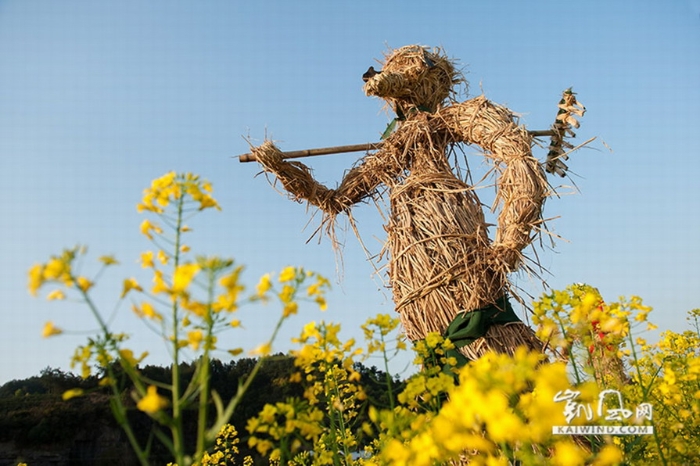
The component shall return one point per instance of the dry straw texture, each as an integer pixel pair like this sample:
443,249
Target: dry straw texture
442,259
415,75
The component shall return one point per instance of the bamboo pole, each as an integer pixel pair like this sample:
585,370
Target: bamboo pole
350,148
320,151
541,133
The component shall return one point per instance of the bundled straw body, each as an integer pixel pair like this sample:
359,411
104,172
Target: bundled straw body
443,261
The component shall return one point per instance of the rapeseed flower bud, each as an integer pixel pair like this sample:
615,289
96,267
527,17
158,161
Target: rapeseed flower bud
50,330
152,402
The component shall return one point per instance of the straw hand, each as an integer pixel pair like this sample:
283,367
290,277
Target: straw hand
268,155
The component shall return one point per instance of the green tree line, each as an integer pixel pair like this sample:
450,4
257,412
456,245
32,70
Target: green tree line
33,415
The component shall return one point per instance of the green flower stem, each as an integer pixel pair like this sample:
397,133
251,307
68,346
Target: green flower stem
387,374
119,411
176,427
572,356
117,405
340,427
203,379
224,414
645,393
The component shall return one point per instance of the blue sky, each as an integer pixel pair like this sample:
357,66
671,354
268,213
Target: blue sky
98,98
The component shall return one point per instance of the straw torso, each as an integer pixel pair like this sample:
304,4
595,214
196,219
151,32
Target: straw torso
437,234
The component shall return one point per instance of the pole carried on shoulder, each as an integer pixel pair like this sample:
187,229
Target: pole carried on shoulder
320,151
350,148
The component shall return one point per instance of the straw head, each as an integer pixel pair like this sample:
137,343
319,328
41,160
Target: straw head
414,76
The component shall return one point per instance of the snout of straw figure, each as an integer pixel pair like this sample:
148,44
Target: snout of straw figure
447,273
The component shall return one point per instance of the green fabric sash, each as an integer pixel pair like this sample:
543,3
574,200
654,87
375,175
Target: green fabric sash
467,327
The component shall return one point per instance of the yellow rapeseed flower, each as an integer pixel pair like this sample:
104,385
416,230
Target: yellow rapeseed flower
225,302
108,260
147,259
171,187
608,455
262,350
264,285
197,308
128,356
194,339
147,228
150,312
36,278
613,325
50,330
310,330
397,453
84,284
159,285
313,289
383,322
231,281
567,453
152,402
162,257
287,274
287,294
130,284
290,309
183,276
72,393
147,310
207,202
55,269
56,295
321,301
158,195
164,181
590,300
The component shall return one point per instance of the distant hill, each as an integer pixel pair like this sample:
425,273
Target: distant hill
39,428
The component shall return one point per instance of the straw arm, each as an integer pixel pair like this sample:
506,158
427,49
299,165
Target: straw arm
521,184
297,179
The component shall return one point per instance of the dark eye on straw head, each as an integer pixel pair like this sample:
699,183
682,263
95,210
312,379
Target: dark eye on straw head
371,72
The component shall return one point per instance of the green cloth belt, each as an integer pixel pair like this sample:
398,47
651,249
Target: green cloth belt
467,327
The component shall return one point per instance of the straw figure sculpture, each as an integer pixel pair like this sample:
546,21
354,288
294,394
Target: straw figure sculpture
447,273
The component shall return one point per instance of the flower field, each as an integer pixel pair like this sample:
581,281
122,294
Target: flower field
601,394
